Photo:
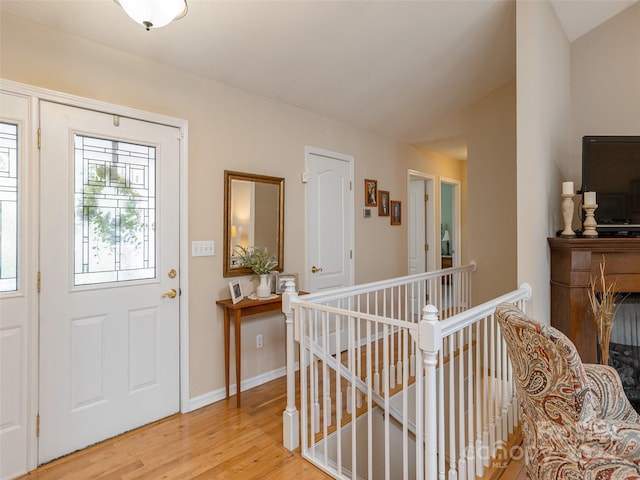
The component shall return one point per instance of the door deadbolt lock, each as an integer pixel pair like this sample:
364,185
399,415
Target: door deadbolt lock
170,294
172,273
315,269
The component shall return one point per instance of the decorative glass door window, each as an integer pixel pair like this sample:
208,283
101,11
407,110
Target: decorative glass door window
115,211
8,207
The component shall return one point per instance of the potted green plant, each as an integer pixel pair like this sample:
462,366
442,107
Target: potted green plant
261,262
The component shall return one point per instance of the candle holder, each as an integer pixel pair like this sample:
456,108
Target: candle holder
589,224
567,215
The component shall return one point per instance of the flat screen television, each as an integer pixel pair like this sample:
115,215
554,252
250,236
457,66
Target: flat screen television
611,168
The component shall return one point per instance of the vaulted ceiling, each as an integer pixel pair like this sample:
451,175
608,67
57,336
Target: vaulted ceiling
396,68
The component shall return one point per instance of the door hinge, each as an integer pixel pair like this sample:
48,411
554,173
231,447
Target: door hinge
351,254
426,247
38,282
350,185
426,198
38,426
39,138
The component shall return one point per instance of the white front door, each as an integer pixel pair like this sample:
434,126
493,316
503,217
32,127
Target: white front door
109,252
329,220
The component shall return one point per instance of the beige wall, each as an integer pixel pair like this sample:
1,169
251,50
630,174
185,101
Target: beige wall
488,189
543,106
605,83
228,129
491,216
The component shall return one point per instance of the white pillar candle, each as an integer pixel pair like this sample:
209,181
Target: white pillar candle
589,198
567,187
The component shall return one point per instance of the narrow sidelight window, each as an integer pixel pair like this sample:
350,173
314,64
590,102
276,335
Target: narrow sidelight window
8,207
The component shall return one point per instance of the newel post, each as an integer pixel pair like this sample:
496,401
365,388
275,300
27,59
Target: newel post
290,416
430,344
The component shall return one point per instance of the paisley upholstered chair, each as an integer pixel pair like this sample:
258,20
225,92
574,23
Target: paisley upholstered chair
576,420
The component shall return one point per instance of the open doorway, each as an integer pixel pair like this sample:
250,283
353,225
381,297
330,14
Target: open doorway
449,223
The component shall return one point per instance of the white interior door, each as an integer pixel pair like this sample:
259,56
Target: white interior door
329,220
421,223
417,226
109,254
15,297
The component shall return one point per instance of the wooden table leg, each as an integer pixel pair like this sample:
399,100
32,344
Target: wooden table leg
227,341
238,315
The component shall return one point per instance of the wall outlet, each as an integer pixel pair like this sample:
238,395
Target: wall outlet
259,340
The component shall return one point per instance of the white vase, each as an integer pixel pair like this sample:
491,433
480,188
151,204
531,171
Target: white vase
264,289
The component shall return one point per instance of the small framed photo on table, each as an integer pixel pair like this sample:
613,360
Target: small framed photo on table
236,291
283,278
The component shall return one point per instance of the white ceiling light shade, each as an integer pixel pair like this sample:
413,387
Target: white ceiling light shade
154,13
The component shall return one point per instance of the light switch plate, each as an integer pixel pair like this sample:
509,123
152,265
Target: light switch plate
203,248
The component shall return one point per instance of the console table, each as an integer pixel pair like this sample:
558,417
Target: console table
238,310
574,262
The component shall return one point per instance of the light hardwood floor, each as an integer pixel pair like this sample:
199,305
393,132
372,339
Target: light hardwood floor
219,441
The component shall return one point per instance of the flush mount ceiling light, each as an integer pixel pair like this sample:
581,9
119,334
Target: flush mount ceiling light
154,13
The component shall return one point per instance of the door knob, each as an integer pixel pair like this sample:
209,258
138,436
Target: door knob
315,269
170,294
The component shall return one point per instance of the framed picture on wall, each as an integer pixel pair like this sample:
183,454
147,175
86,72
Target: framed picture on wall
383,203
396,212
370,192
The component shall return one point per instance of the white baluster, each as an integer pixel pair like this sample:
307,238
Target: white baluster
452,409
462,460
430,343
290,416
316,396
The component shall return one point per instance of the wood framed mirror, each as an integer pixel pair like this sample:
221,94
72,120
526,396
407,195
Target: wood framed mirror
253,217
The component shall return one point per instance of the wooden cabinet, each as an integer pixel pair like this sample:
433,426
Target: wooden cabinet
573,263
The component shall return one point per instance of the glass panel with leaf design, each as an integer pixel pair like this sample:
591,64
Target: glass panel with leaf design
115,211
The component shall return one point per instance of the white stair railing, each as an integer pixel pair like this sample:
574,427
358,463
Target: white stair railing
386,393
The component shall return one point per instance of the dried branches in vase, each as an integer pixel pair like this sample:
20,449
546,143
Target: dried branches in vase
604,302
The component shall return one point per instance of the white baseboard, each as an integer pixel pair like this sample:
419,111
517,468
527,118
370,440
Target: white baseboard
220,394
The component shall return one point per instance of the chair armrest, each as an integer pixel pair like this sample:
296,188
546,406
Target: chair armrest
620,440
610,401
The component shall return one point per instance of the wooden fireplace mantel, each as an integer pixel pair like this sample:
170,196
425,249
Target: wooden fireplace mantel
573,263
